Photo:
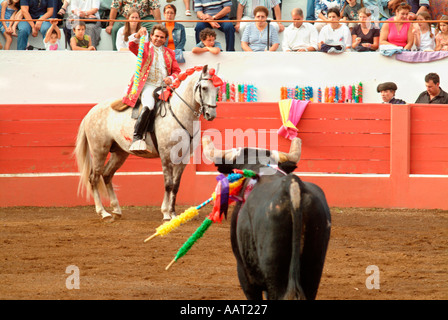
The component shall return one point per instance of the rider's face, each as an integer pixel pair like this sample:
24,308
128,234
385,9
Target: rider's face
158,38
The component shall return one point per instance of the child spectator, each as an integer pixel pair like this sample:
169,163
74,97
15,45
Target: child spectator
52,37
350,12
424,40
442,36
81,41
208,43
334,37
129,28
9,8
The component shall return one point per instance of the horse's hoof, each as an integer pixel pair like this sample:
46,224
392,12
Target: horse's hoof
116,216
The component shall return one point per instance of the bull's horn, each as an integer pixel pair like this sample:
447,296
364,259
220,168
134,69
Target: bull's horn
212,154
294,152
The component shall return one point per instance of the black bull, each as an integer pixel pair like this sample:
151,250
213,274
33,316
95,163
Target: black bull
280,234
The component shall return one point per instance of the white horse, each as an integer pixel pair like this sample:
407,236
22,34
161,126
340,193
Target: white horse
105,130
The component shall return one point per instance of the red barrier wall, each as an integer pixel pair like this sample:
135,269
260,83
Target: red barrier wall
362,155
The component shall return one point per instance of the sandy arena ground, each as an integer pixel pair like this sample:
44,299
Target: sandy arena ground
409,247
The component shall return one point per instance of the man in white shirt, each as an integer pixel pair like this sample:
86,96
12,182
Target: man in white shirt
299,36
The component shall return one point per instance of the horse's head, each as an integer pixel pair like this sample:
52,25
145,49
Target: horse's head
205,92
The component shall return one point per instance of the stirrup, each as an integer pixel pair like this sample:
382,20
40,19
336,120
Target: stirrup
139,146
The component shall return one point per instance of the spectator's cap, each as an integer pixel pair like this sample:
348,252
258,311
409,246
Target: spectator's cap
386,86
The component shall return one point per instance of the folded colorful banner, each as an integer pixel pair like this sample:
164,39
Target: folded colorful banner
291,111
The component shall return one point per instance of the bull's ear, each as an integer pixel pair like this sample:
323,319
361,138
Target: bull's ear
225,168
287,166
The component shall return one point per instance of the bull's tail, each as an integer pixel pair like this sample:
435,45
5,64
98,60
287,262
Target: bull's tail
294,290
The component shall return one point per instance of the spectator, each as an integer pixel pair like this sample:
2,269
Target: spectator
147,9
418,6
81,41
437,8
442,36
32,9
130,27
434,93
365,35
381,9
255,36
176,31
215,10
350,12
187,8
424,40
9,9
62,6
51,41
208,42
245,11
334,37
387,91
321,11
161,69
398,33
299,35
88,9
310,10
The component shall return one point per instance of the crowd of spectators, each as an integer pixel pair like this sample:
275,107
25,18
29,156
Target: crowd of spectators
335,25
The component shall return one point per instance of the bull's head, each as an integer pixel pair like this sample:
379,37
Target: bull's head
252,158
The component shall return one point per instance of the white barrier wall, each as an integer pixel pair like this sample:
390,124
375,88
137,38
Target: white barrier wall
90,77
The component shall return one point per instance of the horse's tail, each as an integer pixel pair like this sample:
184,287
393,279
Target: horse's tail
83,160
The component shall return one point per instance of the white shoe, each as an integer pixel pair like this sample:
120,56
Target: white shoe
139,145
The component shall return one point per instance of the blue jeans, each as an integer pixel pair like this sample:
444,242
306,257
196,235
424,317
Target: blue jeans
25,31
226,27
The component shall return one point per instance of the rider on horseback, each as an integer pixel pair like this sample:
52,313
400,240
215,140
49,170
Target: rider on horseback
159,66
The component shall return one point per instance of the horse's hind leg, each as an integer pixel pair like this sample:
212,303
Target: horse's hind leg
117,158
96,181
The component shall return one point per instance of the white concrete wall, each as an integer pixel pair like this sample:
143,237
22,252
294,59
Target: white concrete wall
90,77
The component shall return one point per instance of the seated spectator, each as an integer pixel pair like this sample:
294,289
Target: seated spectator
176,31
208,42
387,91
365,35
215,10
434,93
129,28
148,10
51,41
255,36
350,12
88,9
41,10
310,10
334,37
381,9
424,40
321,10
62,6
245,11
9,8
398,33
417,6
442,36
81,41
299,35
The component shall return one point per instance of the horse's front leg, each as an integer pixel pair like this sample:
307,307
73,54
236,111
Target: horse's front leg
172,174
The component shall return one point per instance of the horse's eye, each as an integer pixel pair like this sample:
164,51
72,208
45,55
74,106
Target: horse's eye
204,88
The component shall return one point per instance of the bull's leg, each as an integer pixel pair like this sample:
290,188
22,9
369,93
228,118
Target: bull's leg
118,157
251,291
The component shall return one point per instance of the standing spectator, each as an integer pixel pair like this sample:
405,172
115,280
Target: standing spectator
434,93
245,11
365,35
424,40
9,8
387,91
176,31
322,8
398,33
299,36
148,10
215,10
350,12
442,36
130,27
208,42
81,41
34,9
255,36
334,37
88,9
